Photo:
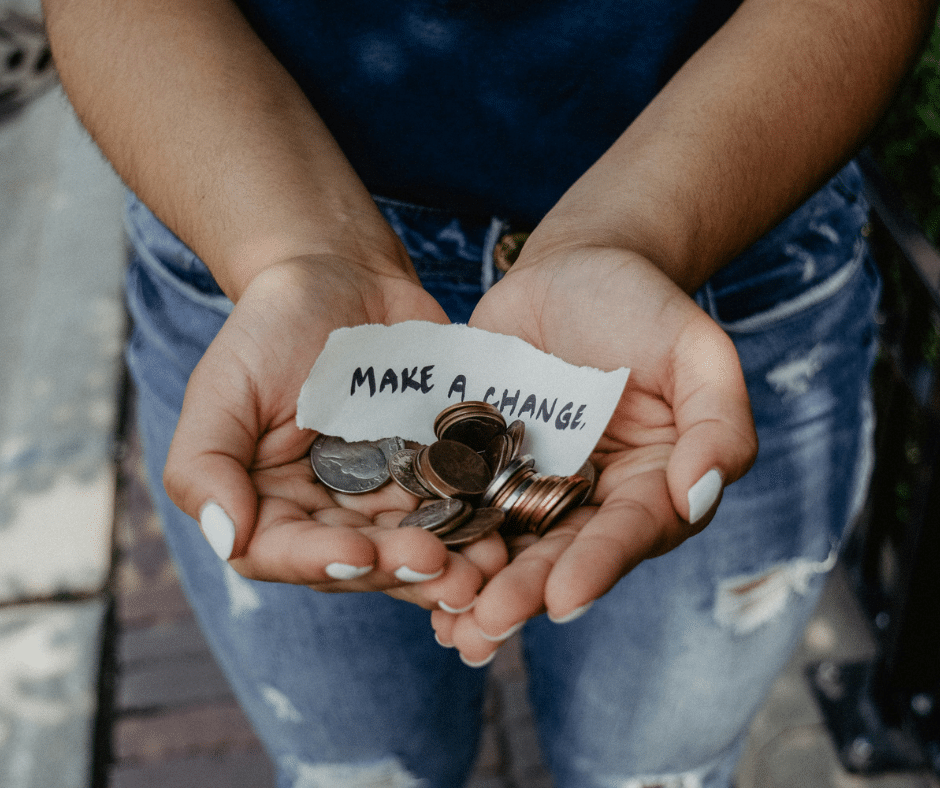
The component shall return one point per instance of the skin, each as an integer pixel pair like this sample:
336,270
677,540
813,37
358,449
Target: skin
208,129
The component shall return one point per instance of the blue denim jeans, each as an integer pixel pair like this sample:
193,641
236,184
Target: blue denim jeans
657,683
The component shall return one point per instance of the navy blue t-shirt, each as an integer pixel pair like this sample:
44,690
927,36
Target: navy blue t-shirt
483,106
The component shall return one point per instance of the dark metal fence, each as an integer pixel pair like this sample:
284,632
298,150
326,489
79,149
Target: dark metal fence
885,714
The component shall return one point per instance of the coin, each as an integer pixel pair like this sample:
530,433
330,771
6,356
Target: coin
390,446
401,468
515,467
498,453
349,467
437,515
588,472
452,470
473,424
516,434
482,523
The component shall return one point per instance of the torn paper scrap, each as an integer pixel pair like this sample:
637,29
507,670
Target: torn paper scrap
379,381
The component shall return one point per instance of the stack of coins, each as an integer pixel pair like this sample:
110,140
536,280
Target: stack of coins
475,474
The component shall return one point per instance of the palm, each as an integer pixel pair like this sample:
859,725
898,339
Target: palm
683,411
238,430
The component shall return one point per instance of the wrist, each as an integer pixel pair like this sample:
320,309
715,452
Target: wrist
375,252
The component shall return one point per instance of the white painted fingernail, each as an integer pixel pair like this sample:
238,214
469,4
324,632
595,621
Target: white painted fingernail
218,529
407,575
455,610
505,636
442,643
576,613
479,664
703,494
340,571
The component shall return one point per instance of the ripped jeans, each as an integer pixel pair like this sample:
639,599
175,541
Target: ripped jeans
657,683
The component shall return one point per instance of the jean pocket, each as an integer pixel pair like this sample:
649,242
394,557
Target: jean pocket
168,259
772,304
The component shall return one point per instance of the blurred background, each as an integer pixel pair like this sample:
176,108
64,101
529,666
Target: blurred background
105,680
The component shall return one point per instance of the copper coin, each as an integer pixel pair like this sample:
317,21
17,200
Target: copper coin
570,500
349,467
462,409
498,453
401,468
453,470
588,472
473,432
482,523
516,433
437,515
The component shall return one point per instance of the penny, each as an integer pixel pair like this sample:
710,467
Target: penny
349,467
401,468
453,470
481,524
435,516
516,434
473,424
498,453
473,431
588,472
571,498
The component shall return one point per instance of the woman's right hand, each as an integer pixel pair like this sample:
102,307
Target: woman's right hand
239,464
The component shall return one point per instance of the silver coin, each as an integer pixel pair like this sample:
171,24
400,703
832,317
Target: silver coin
401,468
435,516
349,467
390,446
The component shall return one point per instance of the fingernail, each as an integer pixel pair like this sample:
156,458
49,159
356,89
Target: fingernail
218,529
703,494
505,636
442,643
448,609
479,664
340,571
576,613
407,575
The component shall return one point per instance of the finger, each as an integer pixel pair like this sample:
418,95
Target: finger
517,592
411,555
475,650
443,624
290,547
454,591
206,472
636,521
489,555
717,441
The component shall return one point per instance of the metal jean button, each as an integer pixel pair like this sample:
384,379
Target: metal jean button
507,248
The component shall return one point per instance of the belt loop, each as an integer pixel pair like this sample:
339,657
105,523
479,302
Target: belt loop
488,267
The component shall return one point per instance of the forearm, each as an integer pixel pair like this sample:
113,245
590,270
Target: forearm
204,124
754,122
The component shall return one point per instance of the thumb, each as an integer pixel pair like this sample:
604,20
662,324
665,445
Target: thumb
206,473
717,441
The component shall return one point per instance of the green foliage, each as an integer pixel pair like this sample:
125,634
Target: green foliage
907,142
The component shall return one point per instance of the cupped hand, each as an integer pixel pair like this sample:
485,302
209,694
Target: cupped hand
681,431
239,464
